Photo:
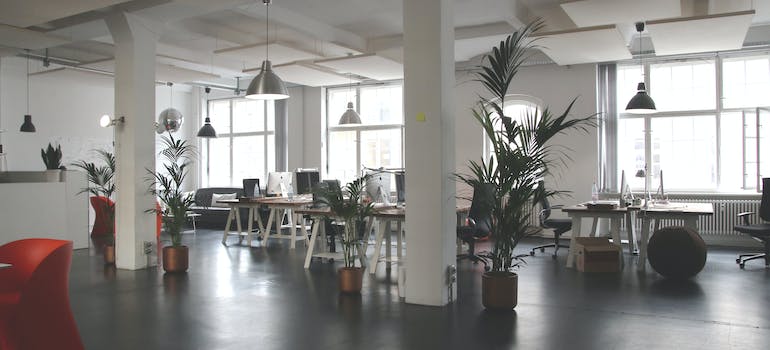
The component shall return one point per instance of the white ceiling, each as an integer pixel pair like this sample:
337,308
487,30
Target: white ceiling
215,41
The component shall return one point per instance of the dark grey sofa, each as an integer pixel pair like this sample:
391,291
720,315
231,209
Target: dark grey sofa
216,217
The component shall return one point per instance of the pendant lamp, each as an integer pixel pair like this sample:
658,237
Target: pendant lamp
267,85
170,119
27,126
641,103
207,131
350,116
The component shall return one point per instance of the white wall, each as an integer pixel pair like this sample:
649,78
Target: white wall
556,86
65,107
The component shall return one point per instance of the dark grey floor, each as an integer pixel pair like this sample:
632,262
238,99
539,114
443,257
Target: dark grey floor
252,298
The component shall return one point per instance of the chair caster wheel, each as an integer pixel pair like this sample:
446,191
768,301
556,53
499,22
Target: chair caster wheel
738,261
553,257
486,269
742,265
532,253
542,250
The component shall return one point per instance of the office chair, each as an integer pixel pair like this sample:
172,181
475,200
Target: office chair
328,225
478,223
760,231
559,226
251,187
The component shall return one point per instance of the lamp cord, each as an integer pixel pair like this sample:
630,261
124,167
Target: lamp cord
27,81
267,30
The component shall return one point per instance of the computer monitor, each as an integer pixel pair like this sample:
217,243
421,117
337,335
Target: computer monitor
400,187
279,183
378,186
306,179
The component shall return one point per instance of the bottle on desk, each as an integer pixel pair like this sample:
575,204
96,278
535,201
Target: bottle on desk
594,193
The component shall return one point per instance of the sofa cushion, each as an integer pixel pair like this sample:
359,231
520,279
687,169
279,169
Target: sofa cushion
216,197
203,195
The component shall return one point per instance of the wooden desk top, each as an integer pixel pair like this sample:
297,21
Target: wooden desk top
673,208
295,201
381,212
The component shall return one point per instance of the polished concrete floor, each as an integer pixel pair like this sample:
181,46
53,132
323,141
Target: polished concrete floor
253,298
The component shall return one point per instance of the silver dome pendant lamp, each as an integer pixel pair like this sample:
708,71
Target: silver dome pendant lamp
350,116
267,85
641,103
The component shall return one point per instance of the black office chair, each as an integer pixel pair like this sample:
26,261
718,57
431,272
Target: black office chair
761,231
328,225
479,222
251,187
559,226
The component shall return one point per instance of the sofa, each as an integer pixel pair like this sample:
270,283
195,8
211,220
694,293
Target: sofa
215,217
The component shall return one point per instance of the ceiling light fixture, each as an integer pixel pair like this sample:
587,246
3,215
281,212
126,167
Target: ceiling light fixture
207,131
267,85
350,116
27,126
641,103
170,119
106,121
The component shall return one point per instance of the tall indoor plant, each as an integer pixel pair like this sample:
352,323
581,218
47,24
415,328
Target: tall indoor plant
522,157
166,185
101,183
348,209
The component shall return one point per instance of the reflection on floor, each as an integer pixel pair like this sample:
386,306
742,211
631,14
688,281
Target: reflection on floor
253,298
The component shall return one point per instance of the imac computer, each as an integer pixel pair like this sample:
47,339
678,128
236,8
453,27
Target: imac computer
400,187
378,186
279,184
306,179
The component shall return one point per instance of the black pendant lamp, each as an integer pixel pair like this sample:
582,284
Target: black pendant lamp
207,131
27,126
641,103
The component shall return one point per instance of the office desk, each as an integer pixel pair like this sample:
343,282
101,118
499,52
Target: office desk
580,211
278,207
319,229
687,212
235,214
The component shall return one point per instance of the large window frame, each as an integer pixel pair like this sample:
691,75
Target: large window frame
267,134
332,116
719,113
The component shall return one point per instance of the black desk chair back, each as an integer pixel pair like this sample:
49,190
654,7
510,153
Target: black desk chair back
251,187
759,231
559,226
479,222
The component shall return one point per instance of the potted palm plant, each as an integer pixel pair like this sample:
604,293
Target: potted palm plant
522,157
101,180
348,210
52,160
166,185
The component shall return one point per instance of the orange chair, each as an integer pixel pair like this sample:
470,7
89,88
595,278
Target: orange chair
104,223
34,299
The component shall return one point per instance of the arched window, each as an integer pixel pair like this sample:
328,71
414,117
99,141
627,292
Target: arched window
516,107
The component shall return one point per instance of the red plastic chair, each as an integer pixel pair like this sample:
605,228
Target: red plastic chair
104,223
34,299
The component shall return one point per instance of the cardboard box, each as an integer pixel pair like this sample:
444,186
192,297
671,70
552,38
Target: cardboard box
595,254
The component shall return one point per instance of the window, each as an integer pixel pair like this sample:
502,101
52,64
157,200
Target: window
701,143
516,107
377,142
245,146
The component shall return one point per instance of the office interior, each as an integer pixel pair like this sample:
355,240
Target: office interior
706,64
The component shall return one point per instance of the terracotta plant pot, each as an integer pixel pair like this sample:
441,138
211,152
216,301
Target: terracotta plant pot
175,259
109,254
350,279
499,290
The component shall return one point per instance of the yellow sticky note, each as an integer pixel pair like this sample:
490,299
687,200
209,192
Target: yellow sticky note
421,117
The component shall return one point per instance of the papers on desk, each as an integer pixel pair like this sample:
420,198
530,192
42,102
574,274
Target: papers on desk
602,205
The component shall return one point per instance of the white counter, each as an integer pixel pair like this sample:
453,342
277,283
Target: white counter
32,208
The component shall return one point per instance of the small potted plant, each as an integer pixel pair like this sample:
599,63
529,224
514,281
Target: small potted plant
166,185
522,157
101,180
348,209
52,160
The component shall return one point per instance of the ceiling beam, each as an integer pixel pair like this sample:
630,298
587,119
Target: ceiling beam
469,32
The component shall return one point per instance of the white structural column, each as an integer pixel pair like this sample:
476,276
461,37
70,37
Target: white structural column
430,149
134,139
